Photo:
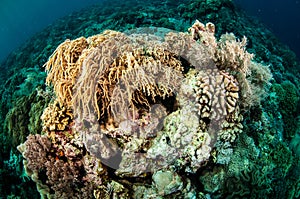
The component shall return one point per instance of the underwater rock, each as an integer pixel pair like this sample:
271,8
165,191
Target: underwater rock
167,182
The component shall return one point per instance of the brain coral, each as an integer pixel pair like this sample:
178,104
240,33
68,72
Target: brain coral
146,103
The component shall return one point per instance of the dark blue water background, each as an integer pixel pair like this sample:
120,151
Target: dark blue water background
20,19
282,17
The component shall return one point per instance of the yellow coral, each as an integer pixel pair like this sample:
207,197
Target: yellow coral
65,64
120,60
56,117
63,67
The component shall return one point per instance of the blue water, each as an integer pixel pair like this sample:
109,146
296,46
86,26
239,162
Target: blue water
282,17
20,19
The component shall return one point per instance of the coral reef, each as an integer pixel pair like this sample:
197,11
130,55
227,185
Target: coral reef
288,100
150,112
56,117
57,171
24,118
130,102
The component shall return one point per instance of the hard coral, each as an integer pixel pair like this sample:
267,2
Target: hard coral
217,99
56,117
60,170
24,118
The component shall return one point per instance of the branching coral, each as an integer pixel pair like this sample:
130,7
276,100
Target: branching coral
60,172
24,118
229,54
56,117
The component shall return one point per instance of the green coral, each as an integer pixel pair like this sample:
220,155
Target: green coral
24,118
288,100
288,97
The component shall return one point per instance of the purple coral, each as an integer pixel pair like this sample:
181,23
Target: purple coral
55,168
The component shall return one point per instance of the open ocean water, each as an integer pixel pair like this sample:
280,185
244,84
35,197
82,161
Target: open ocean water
282,17
21,19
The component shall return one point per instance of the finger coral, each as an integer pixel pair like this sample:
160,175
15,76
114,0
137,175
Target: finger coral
56,117
217,99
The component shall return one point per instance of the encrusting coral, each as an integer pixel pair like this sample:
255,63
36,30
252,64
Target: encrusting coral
146,103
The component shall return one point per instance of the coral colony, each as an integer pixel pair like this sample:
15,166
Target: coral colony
137,114
138,99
